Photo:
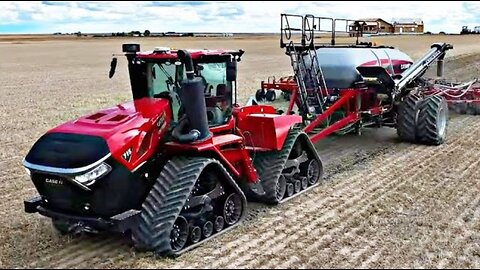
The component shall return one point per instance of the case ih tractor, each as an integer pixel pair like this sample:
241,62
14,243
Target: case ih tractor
175,166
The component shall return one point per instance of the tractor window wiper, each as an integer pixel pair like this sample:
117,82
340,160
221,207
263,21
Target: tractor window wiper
169,77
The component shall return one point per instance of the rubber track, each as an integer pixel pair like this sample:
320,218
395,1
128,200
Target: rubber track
407,118
270,165
166,200
427,120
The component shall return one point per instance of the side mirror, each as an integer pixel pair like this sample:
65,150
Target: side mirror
231,71
154,73
113,66
130,48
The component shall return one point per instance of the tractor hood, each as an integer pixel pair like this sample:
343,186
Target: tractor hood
128,132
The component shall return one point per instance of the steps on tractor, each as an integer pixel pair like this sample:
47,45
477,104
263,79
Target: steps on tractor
218,140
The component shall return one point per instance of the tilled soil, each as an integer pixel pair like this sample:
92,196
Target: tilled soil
382,203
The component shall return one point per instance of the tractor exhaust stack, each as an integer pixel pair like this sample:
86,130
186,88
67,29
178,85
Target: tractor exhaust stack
193,100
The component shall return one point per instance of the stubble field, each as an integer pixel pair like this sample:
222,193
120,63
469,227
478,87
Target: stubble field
382,203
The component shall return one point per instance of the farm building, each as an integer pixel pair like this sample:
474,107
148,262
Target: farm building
408,25
372,25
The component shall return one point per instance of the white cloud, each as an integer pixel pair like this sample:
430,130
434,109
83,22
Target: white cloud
242,16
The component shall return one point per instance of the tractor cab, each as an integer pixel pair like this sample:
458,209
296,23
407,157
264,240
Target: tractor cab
160,73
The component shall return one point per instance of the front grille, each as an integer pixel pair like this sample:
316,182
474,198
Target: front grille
60,193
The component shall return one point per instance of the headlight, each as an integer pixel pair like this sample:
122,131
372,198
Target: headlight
90,177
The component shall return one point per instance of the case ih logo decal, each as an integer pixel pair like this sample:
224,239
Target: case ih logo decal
127,155
54,181
404,66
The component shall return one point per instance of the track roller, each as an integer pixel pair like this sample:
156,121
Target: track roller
219,224
196,234
207,229
297,186
290,190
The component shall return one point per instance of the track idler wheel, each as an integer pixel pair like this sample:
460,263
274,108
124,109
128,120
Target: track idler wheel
232,209
311,170
179,234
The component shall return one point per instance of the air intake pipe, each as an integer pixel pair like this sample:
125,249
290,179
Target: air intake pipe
193,101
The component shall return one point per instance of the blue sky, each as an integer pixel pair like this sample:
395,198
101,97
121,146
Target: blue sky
221,16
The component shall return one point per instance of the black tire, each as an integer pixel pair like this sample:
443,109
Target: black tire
473,109
460,108
433,120
407,118
61,226
270,95
260,95
286,95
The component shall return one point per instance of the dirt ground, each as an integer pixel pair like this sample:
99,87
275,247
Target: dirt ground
382,204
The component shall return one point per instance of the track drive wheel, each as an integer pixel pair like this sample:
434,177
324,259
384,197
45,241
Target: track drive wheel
407,118
433,120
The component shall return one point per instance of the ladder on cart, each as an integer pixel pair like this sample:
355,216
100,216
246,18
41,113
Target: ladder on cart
312,90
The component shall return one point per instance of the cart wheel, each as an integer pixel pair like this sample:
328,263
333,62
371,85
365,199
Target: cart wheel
260,95
270,95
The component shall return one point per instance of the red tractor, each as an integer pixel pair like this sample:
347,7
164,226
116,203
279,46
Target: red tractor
175,166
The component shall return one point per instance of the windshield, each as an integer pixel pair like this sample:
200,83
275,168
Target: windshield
164,79
214,75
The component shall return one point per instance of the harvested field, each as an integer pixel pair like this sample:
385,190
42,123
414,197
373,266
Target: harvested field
382,204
